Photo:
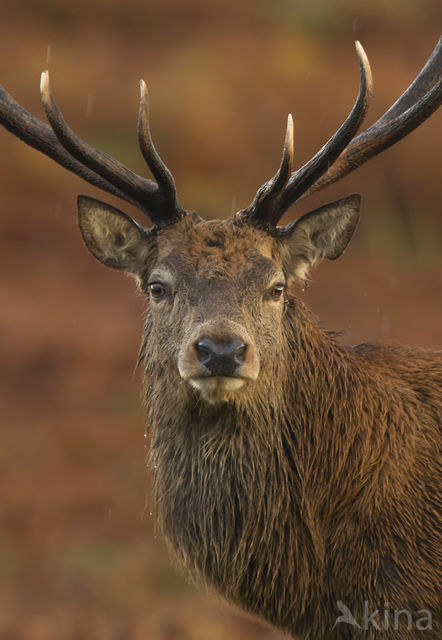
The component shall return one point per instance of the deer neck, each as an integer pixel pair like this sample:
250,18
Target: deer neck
232,481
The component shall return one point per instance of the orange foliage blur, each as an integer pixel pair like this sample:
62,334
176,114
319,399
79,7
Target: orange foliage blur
79,553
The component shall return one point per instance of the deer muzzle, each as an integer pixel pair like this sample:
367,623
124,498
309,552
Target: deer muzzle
219,359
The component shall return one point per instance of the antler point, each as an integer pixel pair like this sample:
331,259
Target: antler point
44,82
289,140
361,54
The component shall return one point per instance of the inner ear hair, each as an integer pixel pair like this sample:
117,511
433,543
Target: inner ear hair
322,233
111,236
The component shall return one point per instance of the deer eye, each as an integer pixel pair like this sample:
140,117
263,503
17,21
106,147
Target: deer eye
275,292
157,290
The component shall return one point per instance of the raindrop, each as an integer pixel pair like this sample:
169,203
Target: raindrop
393,282
57,209
233,205
48,54
90,105
385,324
355,24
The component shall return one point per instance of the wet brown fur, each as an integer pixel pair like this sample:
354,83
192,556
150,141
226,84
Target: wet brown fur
315,483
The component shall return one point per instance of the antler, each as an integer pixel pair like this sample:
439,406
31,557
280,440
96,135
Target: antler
422,98
343,153
266,211
261,210
60,143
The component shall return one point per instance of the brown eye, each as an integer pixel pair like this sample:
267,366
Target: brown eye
276,292
157,290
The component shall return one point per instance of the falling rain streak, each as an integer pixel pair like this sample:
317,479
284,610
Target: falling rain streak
90,104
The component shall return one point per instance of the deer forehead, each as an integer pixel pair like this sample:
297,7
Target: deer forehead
216,247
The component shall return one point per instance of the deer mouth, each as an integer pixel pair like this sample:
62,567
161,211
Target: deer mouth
228,383
216,388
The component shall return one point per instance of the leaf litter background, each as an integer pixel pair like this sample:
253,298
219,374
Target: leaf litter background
79,553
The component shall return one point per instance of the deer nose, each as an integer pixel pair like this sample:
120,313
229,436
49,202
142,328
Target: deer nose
221,358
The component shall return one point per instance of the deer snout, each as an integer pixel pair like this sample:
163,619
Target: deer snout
221,358
218,358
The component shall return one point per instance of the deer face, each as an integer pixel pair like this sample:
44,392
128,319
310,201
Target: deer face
216,289
222,285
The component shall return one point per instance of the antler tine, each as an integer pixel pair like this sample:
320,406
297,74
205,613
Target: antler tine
424,82
106,166
422,98
260,209
61,144
304,177
268,217
39,135
147,194
159,170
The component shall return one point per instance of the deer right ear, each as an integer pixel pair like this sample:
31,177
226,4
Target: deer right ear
322,233
111,236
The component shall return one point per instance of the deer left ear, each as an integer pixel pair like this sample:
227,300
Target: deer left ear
112,237
322,233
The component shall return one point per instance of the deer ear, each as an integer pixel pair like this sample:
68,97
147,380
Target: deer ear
322,233
111,236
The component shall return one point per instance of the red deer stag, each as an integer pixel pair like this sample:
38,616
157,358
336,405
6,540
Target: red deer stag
296,476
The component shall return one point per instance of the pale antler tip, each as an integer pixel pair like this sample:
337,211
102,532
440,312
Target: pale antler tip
143,88
289,141
361,54
365,67
44,82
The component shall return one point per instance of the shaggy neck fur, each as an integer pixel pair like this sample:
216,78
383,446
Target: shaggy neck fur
300,492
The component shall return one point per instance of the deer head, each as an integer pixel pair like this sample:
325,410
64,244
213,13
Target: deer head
217,289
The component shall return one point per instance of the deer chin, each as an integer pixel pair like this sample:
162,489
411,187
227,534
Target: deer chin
216,389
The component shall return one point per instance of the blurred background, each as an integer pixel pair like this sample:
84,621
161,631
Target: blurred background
80,556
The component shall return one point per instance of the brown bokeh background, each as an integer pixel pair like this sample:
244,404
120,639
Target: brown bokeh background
79,554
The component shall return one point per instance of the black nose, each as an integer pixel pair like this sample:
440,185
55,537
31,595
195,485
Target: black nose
221,358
